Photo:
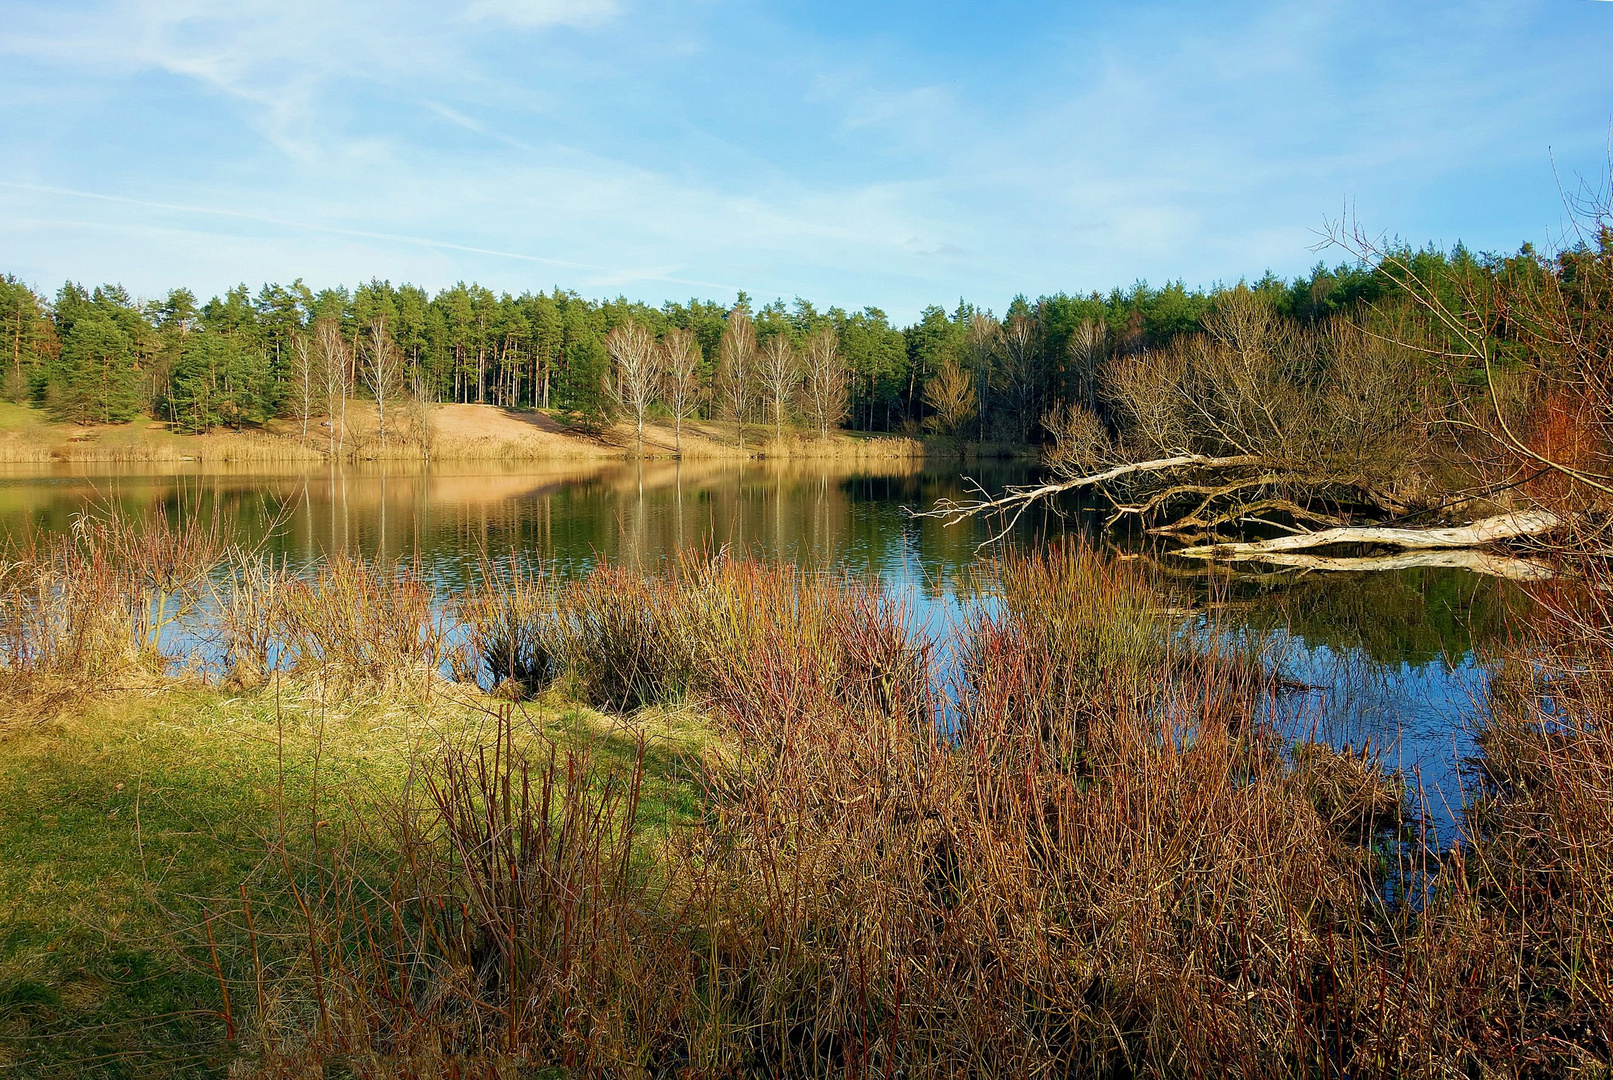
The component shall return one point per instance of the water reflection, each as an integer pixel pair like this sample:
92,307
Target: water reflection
638,514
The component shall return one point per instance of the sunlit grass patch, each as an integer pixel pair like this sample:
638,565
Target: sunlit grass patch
126,820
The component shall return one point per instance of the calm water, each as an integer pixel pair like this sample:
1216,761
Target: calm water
1391,655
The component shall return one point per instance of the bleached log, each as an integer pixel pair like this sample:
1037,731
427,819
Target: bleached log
1488,530
1476,560
1017,499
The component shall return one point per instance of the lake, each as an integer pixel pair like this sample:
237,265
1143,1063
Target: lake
1390,658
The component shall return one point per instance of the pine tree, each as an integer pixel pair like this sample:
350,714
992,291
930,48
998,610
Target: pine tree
94,380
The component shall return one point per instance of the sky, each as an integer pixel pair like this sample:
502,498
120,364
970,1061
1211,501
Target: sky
854,154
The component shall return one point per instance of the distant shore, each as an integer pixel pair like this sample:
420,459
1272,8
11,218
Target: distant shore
460,433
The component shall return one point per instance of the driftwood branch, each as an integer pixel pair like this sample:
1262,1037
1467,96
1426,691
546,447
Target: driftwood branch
1459,543
1018,497
1488,530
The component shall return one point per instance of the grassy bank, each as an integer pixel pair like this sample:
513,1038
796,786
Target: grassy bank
127,822
458,433
809,847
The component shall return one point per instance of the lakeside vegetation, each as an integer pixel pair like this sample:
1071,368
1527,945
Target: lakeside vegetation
736,817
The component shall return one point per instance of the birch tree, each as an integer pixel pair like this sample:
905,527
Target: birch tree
304,379
680,378
636,374
828,383
735,372
780,374
383,370
336,379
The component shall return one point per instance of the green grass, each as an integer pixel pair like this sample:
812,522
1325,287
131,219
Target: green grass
122,823
15,417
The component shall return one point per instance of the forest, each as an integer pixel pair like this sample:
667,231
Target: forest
104,356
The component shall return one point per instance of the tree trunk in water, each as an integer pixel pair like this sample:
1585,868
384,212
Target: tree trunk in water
1489,563
1484,531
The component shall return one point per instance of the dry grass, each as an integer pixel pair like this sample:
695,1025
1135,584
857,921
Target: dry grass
100,602
1085,855
360,623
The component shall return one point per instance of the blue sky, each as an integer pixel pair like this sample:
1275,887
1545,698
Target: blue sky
852,153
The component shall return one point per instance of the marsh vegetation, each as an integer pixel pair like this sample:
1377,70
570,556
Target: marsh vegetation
732,816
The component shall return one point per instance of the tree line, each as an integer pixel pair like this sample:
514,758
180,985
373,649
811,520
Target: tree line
101,356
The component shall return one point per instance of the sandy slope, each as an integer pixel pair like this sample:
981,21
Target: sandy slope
460,433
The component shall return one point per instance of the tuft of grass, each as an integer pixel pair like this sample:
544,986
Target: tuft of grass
107,598
355,621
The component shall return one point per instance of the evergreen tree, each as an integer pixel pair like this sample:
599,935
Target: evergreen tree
26,336
583,389
218,381
94,380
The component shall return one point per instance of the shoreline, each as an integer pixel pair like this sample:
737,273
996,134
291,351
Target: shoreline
461,434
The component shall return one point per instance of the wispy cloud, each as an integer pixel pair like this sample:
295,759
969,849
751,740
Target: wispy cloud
715,145
539,13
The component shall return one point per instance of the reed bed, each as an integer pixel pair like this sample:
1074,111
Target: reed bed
357,622
103,600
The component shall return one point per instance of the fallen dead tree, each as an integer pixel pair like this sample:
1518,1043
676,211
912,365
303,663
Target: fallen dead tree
1475,560
1223,490
1256,420
1448,546
1490,530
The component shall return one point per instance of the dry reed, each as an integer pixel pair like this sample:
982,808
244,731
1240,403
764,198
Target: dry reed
1113,869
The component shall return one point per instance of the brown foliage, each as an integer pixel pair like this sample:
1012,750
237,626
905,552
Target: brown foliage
1082,854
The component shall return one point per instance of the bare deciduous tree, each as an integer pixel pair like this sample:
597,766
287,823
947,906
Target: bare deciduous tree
1021,345
982,341
736,376
383,370
637,372
1080,441
417,412
336,379
828,383
1256,416
1086,351
780,373
304,379
680,378
950,396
